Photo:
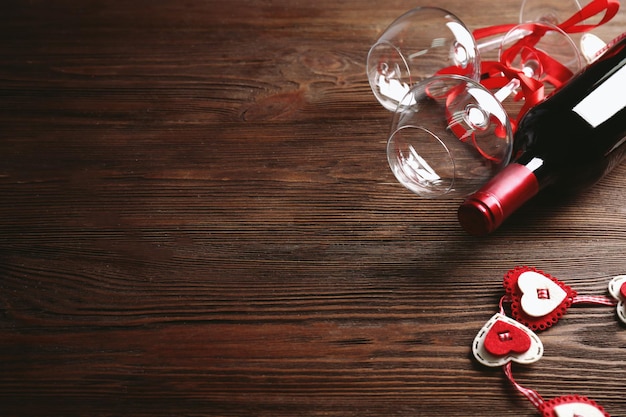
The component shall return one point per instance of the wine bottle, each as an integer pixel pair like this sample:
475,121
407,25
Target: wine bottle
569,140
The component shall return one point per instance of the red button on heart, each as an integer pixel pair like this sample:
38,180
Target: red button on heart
504,338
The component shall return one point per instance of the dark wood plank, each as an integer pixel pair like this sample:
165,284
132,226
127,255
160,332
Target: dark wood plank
197,218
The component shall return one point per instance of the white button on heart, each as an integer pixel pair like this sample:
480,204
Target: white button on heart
540,295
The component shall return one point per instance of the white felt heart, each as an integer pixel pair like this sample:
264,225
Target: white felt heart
577,410
532,351
540,295
615,289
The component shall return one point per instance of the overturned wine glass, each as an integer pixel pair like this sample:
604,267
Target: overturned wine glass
416,46
555,12
449,136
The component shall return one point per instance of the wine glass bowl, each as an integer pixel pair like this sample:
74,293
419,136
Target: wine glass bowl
548,11
419,44
557,12
451,139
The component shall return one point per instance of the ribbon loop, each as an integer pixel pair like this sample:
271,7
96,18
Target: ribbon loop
596,7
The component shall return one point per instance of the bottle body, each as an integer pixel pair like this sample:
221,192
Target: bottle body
569,141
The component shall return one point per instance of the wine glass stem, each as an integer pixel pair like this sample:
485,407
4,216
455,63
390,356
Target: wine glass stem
490,45
507,90
496,42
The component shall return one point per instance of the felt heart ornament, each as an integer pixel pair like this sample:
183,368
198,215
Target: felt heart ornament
617,289
538,300
503,339
572,406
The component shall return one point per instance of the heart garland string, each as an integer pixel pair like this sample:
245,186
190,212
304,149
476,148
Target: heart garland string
537,302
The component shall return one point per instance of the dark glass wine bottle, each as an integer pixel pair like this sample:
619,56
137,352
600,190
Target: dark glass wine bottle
570,140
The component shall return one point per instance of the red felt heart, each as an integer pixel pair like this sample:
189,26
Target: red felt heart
534,322
504,338
572,405
622,290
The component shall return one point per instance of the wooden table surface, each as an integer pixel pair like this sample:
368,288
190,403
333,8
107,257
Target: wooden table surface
197,218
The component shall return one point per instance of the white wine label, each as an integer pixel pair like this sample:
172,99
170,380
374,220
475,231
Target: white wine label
605,101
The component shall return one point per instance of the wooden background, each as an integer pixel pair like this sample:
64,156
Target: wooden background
197,218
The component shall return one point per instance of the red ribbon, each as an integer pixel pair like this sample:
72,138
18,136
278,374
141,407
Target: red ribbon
609,7
556,73
497,74
571,25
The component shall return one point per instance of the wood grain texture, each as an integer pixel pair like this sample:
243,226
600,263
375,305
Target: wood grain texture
197,218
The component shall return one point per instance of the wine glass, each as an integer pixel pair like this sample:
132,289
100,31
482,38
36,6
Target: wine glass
450,137
556,12
419,44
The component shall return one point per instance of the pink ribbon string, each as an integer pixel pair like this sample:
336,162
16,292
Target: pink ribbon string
504,299
594,299
532,395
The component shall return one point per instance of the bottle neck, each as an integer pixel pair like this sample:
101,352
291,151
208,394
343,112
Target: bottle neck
485,210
